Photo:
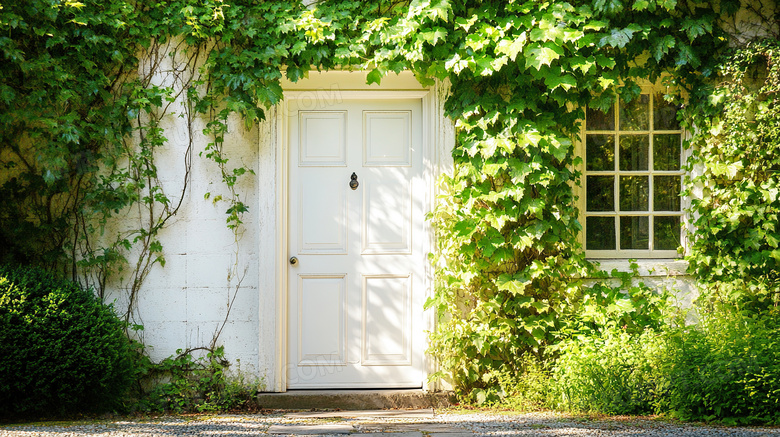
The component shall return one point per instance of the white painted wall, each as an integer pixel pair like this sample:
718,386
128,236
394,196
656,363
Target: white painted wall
210,283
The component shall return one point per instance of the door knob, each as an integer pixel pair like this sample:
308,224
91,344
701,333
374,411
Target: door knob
353,183
294,260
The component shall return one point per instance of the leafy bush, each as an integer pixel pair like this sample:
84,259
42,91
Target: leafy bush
530,390
609,372
604,352
726,367
63,350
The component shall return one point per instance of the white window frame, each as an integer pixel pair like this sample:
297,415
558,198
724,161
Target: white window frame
625,254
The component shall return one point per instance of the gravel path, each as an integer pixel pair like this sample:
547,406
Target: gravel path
442,425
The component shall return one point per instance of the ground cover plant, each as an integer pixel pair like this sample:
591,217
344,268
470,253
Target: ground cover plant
194,381
80,131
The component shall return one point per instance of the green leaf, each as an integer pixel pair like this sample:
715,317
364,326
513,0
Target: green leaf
662,45
605,61
695,28
514,284
481,396
669,5
441,10
617,38
485,66
565,81
537,55
582,64
434,36
595,25
374,76
546,30
610,7
465,228
511,47
466,23
560,148
686,56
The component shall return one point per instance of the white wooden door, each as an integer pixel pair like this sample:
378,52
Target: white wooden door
356,286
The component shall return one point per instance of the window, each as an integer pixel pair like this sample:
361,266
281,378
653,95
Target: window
633,179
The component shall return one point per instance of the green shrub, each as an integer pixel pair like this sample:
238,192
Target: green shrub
63,350
608,372
530,391
727,367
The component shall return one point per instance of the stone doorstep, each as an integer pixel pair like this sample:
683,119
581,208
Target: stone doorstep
354,399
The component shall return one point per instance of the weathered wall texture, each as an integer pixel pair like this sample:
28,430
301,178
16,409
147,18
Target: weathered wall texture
209,285
756,18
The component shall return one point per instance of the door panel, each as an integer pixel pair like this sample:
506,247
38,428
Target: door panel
387,138
323,137
322,320
322,218
355,293
386,324
387,217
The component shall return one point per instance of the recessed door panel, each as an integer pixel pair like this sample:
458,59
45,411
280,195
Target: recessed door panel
322,219
323,138
387,138
387,216
322,320
386,324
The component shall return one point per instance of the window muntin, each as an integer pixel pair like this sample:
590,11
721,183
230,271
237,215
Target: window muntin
633,178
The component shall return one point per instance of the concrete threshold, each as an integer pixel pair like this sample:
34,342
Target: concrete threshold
354,399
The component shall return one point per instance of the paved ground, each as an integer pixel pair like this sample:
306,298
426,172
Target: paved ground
382,423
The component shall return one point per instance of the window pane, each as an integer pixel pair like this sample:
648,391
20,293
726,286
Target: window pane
633,193
634,232
664,114
634,152
666,193
667,233
666,152
600,234
597,120
601,193
634,115
600,152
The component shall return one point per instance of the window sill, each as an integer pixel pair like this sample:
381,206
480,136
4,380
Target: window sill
645,267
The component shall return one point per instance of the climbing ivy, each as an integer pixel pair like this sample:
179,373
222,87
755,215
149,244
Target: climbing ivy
736,197
67,107
81,124
522,73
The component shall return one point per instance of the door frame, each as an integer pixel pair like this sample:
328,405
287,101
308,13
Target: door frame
352,85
